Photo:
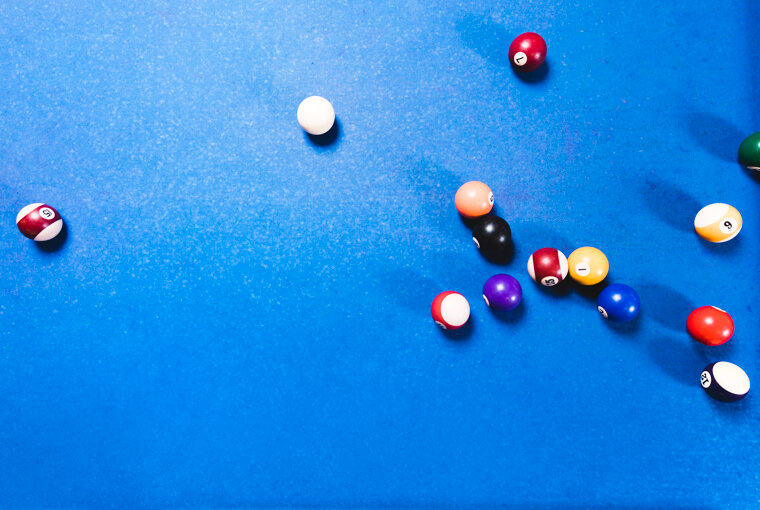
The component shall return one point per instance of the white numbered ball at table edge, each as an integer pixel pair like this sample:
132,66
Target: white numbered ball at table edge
316,115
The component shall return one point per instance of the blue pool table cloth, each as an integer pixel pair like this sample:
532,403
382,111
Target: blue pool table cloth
238,314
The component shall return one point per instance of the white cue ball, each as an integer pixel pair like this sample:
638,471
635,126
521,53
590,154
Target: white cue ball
316,115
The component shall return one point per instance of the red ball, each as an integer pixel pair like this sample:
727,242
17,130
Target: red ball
39,222
547,266
710,325
527,52
450,310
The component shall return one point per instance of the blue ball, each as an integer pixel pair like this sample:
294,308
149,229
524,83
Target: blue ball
618,303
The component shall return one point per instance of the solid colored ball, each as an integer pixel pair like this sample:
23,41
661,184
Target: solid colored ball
39,222
493,237
588,265
547,266
618,303
527,52
474,199
502,292
749,152
316,115
450,310
725,381
710,325
718,223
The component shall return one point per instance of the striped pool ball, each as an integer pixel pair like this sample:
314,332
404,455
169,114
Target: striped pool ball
450,310
39,222
547,266
725,381
718,223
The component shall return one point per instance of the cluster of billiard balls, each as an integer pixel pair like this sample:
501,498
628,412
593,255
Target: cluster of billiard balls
547,266
588,266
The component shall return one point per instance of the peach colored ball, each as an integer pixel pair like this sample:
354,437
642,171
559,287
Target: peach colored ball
474,199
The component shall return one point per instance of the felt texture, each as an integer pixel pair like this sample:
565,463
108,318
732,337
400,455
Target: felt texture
238,313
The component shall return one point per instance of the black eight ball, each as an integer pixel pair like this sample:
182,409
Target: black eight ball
493,237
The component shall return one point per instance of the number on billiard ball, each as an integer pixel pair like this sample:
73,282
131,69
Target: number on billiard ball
39,222
718,223
618,303
527,52
547,266
493,237
502,292
725,381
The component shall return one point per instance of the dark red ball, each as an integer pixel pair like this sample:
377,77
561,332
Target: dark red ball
527,52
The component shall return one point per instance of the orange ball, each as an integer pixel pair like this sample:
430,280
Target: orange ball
474,199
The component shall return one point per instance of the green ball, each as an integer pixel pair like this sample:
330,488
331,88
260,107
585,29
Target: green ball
749,152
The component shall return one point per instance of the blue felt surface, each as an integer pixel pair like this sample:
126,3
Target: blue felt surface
240,317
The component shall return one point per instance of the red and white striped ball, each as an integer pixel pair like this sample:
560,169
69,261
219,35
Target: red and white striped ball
39,222
450,310
547,266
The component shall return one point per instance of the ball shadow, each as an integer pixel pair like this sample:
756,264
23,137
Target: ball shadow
536,76
470,222
417,286
670,203
678,359
56,243
460,334
487,38
624,328
561,290
669,307
721,249
736,411
715,134
327,140
590,292
511,316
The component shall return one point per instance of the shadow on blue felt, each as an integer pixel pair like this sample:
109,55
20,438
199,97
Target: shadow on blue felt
735,411
487,38
725,249
460,334
536,76
670,203
327,141
752,174
629,328
561,290
55,244
668,307
409,288
678,359
590,292
716,135
511,316
714,352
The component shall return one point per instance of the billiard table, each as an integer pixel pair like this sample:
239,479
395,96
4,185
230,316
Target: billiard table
237,314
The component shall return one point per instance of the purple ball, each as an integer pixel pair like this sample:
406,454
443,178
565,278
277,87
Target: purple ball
502,292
